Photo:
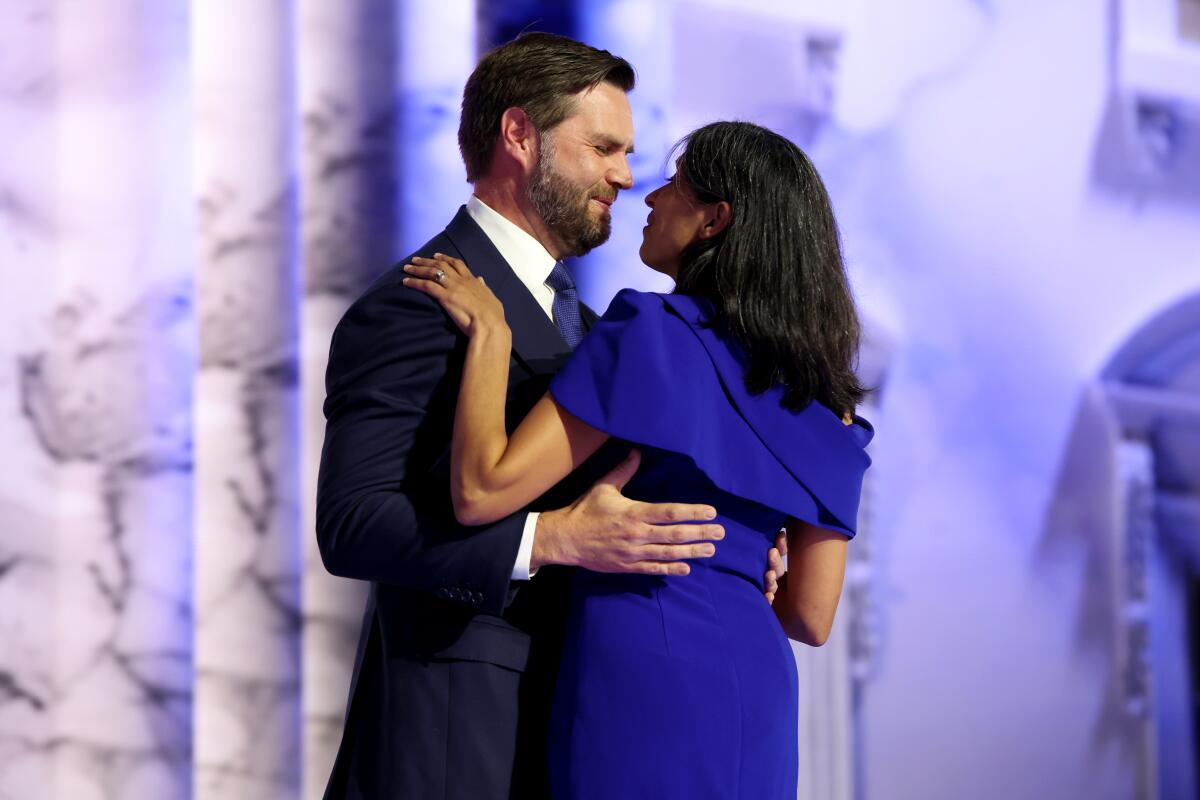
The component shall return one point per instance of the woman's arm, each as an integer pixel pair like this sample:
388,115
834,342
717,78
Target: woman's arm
492,475
808,594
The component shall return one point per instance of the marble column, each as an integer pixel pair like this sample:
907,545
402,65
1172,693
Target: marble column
346,96
95,399
27,495
379,103
248,614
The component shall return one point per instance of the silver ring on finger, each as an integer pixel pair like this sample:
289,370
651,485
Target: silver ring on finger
440,276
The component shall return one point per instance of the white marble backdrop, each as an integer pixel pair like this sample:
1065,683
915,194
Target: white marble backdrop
370,74
190,195
346,162
95,394
247,496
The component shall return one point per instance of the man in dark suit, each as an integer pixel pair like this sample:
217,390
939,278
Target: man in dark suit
462,631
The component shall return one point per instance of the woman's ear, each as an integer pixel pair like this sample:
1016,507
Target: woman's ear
518,137
718,218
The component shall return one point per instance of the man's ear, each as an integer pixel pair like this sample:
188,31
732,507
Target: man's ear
720,214
518,136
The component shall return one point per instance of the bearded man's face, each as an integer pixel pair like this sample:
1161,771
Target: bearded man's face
576,212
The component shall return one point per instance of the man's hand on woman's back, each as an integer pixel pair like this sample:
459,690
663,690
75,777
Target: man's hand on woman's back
604,531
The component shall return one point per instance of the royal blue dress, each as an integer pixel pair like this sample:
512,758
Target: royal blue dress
685,687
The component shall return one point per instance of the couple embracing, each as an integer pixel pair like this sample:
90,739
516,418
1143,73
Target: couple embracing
567,521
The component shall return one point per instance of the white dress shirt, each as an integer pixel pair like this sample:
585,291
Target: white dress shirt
532,264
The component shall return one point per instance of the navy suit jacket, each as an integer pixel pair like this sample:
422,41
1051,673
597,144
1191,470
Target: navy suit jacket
455,667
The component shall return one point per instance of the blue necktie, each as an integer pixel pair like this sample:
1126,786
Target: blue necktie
566,305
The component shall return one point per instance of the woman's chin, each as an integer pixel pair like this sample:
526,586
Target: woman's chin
658,264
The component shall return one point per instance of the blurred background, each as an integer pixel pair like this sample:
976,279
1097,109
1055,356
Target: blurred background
191,193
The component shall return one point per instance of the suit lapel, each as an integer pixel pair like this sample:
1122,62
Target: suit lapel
589,317
535,339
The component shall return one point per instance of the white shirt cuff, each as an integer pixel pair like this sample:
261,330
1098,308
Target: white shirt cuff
521,571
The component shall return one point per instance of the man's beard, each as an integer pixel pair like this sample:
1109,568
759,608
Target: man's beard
563,206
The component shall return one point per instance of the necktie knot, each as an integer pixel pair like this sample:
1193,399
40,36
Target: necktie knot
566,305
560,278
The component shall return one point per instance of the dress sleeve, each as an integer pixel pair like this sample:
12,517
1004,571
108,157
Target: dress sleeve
645,373
620,372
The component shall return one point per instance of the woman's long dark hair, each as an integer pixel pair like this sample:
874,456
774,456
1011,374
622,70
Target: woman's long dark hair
775,273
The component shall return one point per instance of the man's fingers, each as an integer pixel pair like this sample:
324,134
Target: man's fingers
659,513
678,534
660,568
781,543
619,475
675,552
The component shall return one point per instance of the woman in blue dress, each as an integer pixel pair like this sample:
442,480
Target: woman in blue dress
738,389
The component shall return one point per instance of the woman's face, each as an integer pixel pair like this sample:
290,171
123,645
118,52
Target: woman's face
676,221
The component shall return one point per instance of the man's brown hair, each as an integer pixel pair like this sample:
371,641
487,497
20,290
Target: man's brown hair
537,72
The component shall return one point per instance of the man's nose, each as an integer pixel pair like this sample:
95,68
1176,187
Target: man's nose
622,176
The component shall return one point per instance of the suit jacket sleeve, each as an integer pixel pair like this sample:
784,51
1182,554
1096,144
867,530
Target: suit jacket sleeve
383,504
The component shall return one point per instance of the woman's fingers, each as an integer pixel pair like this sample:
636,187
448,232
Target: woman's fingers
427,273
465,298
429,287
450,264
430,268
456,264
424,280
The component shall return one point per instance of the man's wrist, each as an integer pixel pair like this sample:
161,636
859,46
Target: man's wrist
544,551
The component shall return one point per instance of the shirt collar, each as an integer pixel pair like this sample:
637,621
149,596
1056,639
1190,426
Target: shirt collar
528,258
